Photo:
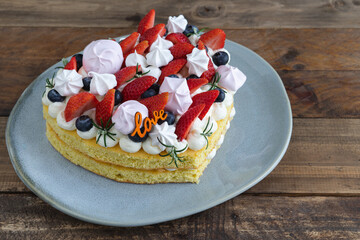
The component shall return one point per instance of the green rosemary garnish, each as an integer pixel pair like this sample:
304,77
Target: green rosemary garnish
49,83
214,82
207,132
138,73
173,153
198,32
105,130
64,62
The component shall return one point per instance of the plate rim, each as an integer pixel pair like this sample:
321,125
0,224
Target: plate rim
57,205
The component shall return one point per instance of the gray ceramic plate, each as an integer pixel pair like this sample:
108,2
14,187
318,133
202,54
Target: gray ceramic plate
254,145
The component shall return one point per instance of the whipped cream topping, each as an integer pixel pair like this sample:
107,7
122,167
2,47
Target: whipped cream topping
124,116
197,62
194,38
228,100
221,140
176,24
60,119
101,83
153,71
88,134
129,146
232,113
179,94
211,154
106,140
103,56
149,148
165,133
161,43
219,111
55,108
183,145
196,140
134,58
231,77
45,100
159,57
68,82
82,72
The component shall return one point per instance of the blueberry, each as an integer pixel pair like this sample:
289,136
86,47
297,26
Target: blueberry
54,96
166,32
220,58
79,60
84,123
190,29
137,138
170,119
156,87
148,93
191,76
173,76
86,82
118,97
221,95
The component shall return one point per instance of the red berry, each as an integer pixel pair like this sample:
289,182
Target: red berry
207,98
155,103
134,89
185,122
78,104
71,65
180,50
105,108
173,67
214,39
209,74
151,34
177,38
141,47
200,45
129,43
125,74
147,22
195,83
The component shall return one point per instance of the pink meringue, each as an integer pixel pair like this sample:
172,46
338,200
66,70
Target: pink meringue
179,94
68,82
124,116
197,62
231,78
103,56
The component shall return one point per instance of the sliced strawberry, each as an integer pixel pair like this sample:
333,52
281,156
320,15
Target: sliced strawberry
207,98
177,38
125,74
151,34
141,47
129,43
155,103
185,122
172,68
134,89
147,22
180,50
200,45
78,104
210,72
105,108
214,39
71,65
195,83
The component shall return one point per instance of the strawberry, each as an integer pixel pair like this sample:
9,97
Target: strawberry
214,39
210,72
129,43
207,98
200,45
125,74
180,50
105,108
141,47
152,33
195,83
71,65
177,38
78,104
155,103
147,22
134,89
185,122
173,67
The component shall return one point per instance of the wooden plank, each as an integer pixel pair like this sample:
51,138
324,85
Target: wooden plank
323,158
25,216
210,13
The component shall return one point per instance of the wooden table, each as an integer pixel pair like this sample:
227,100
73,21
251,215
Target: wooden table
314,45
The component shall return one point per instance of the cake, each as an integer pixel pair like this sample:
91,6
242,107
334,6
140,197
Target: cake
152,107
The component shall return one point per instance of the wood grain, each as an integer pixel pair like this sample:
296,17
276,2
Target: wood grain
25,216
323,158
211,13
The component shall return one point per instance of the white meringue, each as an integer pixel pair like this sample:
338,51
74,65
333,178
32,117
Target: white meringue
68,82
134,58
165,133
124,116
194,38
153,71
179,94
197,62
82,72
176,24
159,57
101,83
161,43
231,77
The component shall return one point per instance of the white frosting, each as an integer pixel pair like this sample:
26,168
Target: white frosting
45,100
159,57
228,100
176,24
68,82
221,140
129,146
194,38
55,108
232,113
101,83
219,111
228,125
171,169
164,132
109,142
196,140
91,113
220,50
60,119
89,134
134,58
197,62
231,77
124,116
154,71
181,145
149,148
82,72
179,95
161,43
211,154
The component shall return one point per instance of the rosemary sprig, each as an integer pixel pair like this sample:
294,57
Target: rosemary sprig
207,132
197,32
64,62
138,73
49,83
173,153
214,82
104,131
